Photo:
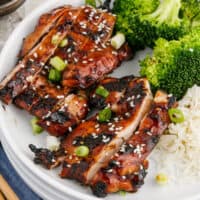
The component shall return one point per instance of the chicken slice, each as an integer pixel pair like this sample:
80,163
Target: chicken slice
46,22
105,139
126,170
26,70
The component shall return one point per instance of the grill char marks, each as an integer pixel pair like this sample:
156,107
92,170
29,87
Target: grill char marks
45,24
57,112
26,70
127,169
112,133
94,66
66,115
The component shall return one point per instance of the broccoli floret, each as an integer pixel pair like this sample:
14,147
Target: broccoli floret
143,22
174,65
167,21
190,8
125,7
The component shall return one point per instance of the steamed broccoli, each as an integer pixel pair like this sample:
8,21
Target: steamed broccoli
190,8
174,65
145,21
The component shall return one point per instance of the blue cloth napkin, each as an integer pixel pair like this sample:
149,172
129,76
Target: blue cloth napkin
16,183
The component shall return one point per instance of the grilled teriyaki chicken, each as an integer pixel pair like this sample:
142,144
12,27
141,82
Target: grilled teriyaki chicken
57,112
45,24
88,31
89,56
126,170
104,139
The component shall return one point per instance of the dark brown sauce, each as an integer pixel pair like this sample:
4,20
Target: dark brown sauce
4,1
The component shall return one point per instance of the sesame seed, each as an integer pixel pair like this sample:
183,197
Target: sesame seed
132,104
109,171
84,62
106,140
114,53
46,96
75,59
48,123
74,142
42,64
35,55
70,157
68,165
70,13
70,129
137,132
97,126
127,114
124,177
60,97
149,133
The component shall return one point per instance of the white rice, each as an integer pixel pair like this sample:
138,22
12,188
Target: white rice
178,152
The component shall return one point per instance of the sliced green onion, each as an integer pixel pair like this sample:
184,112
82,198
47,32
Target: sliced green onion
82,151
105,115
176,115
118,40
58,63
55,39
64,43
36,128
122,193
90,2
54,75
102,91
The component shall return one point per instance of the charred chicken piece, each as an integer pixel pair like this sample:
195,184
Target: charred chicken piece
104,139
57,108
50,159
94,66
26,70
126,170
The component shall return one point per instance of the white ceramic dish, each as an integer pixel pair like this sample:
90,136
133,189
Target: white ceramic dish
17,134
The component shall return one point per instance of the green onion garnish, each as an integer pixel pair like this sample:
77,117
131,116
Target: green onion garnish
64,43
102,91
55,39
118,40
36,128
122,193
90,2
176,115
58,63
54,75
105,115
82,151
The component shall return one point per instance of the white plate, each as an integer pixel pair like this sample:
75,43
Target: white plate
17,133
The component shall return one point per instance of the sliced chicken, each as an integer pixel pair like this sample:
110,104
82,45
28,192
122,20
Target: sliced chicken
94,66
57,108
46,22
105,139
126,170
26,70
